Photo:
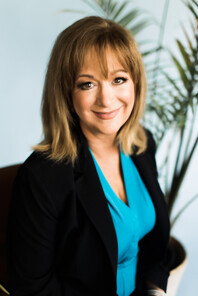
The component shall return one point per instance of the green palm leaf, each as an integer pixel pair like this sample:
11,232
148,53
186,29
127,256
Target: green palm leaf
139,27
172,81
129,17
120,10
195,2
112,8
181,71
192,9
188,39
186,57
183,209
71,10
95,6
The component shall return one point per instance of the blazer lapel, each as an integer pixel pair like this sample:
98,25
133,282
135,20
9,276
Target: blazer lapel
92,198
147,172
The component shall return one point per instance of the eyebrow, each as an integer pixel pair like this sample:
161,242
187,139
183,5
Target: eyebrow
92,77
86,75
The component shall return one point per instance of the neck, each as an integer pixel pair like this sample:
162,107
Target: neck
102,145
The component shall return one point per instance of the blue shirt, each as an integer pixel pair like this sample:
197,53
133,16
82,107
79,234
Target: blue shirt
132,222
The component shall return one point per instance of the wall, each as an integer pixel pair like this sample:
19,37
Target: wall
27,32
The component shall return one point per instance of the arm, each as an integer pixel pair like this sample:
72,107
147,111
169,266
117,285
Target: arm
32,238
153,290
154,261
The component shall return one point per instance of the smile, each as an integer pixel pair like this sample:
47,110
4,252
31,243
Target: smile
107,115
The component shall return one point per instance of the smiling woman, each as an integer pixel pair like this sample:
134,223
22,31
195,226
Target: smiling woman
73,46
88,216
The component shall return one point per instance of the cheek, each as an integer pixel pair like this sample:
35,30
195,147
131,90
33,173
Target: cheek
129,98
128,93
76,103
81,103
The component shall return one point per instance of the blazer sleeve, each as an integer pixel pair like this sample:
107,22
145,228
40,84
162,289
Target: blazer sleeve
31,238
156,254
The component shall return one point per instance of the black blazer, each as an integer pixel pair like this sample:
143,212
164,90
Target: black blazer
61,238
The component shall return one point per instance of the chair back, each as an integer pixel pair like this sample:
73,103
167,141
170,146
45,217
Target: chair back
7,176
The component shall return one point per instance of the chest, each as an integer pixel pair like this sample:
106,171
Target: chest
134,219
112,170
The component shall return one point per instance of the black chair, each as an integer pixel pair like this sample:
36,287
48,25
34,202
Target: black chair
7,176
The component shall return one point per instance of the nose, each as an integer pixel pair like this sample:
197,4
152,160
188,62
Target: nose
105,95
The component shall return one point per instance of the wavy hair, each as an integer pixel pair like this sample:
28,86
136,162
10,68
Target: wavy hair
60,123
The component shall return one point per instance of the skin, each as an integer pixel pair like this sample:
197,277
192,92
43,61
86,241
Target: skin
103,105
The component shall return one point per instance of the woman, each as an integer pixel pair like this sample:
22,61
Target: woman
88,216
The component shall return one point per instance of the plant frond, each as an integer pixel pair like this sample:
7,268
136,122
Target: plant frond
181,71
139,27
186,57
192,9
112,7
187,38
120,10
183,209
70,10
124,21
151,51
94,4
174,84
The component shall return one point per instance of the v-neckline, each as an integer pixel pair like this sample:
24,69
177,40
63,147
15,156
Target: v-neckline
106,181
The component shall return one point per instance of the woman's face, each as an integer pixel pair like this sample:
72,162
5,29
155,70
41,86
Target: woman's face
102,104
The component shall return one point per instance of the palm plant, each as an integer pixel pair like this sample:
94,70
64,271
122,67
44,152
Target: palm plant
172,108
183,108
172,102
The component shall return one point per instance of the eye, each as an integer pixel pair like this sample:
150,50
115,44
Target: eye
119,80
85,85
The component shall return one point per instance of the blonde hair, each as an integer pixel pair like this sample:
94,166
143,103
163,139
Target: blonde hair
60,123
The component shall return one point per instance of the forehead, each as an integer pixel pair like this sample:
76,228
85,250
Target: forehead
105,61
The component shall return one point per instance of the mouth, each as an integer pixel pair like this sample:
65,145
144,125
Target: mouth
107,115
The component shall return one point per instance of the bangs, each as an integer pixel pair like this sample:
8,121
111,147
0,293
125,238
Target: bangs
120,46
120,53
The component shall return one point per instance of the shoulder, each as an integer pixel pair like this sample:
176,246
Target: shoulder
46,169
151,145
44,181
147,157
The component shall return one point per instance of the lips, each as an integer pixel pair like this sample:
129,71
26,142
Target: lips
107,115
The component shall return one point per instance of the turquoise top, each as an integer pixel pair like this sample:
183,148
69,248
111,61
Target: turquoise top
132,222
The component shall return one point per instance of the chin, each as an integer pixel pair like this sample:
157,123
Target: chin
109,131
